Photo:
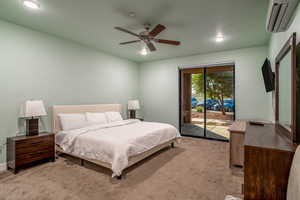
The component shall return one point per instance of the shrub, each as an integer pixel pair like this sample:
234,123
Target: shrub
200,109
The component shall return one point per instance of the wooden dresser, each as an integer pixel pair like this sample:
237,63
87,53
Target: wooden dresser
267,161
25,150
237,137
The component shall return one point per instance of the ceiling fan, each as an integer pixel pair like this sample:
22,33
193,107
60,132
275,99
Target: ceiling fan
148,36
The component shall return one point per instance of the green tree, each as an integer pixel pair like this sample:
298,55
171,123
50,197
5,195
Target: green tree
219,85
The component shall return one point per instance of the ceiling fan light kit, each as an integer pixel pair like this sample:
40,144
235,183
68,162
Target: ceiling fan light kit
148,37
144,51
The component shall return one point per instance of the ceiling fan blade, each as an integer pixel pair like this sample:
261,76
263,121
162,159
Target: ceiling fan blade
129,42
171,42
151,46
159,28
126,31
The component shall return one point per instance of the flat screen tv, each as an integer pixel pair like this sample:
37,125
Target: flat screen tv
269,77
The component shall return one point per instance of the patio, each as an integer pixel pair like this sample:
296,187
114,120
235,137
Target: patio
217,125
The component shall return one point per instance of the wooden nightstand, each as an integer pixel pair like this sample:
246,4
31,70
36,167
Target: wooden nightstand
25,150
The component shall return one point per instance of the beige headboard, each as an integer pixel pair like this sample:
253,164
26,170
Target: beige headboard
56,126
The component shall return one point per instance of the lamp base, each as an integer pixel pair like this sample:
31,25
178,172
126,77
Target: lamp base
32,127
132,114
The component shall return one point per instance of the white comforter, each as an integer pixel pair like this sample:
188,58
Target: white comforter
116,142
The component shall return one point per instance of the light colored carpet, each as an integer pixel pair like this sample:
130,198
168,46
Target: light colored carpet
195,169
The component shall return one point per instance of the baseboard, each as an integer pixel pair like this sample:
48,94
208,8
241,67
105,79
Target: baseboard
3,167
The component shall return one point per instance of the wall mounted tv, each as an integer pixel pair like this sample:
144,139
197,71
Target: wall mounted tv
269,76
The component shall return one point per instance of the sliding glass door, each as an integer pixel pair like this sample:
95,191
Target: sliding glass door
207,105
193,112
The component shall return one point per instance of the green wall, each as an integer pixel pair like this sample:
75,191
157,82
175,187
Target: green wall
39,66
159,79
278,40
159,84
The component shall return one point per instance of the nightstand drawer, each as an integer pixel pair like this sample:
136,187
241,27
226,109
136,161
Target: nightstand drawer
20,150
34,156
36,142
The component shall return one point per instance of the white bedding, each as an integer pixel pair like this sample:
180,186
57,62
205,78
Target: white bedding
115,142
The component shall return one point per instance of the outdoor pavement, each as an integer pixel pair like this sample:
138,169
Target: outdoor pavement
214,132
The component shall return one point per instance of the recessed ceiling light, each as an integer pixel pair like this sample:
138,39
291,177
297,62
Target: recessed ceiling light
31,4
219,38
131,14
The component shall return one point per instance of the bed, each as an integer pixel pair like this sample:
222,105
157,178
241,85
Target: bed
117,145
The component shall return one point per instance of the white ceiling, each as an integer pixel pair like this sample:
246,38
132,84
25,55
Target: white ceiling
193,22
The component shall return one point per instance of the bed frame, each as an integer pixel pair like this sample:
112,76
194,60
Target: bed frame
56,127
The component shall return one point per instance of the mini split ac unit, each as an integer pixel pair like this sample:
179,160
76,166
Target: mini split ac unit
280,13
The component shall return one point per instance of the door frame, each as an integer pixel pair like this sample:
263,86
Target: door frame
204,67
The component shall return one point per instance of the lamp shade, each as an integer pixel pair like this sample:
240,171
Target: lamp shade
133,105
34,108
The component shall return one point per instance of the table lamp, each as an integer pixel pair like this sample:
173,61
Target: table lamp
133,105
32,110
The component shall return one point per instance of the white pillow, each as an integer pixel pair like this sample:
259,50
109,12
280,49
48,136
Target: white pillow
96,118
72,121
113,117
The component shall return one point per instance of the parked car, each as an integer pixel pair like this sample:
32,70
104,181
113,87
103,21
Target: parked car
228,105
194,102
209,103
